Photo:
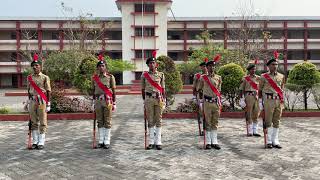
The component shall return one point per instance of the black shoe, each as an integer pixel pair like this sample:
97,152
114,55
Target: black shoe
34,146
256,135
215,146
277,146
100,145
158,147
208,146
269,146
106,146
40,147
151,146
249,135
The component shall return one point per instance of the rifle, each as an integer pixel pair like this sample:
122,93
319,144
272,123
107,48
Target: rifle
94,146
29,145
199,117
246,116
145,127
204,128
263,115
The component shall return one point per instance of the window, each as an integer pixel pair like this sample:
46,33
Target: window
146,32
13,35
175,35
295,34
173,55
55,36
149,31
146,7
147,54
138,32
13,56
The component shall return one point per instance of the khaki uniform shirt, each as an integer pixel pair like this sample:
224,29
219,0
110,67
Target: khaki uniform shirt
264,85
157,77
42,81
246,86
106,79
215,80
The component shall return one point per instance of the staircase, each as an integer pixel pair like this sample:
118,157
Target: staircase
135,87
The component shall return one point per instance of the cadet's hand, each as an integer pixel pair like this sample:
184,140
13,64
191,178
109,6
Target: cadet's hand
93,105
114,107
27,105
48,108
260,104
242,103
194,99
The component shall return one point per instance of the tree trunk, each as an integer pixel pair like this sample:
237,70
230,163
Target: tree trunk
305,98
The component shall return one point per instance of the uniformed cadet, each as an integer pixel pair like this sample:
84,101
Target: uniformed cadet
39,92
212,104
197,76
196,98
104,96
249,99
153,94
271,91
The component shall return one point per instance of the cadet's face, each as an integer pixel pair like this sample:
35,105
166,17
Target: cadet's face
210,68
253,70
36,68
273,66
102,68
204,68
152,65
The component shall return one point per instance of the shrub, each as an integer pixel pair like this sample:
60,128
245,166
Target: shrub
232,75
304,74
173,80
4,110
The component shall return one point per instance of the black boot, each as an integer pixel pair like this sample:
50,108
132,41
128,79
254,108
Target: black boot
215,146
100,145
34,146
106,146
208,146
277,146
256,135
151,146
158,147
269,146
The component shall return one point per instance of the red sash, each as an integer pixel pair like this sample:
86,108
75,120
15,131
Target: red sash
214,89
102,86
198,76
274,86
152,82
252,84
35,87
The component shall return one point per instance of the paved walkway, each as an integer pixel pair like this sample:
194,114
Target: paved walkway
68,153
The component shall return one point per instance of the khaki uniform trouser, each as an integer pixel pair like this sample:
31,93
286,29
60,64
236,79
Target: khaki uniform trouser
273,111
252,108
103,113
212,114
153,112
38,114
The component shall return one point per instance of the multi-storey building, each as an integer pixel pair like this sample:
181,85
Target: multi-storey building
149,28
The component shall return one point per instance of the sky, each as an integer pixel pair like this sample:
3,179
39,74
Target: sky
180,8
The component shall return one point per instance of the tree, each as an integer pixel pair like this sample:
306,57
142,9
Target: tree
209,50
173,80
62,65
232,75
83,75
304,74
